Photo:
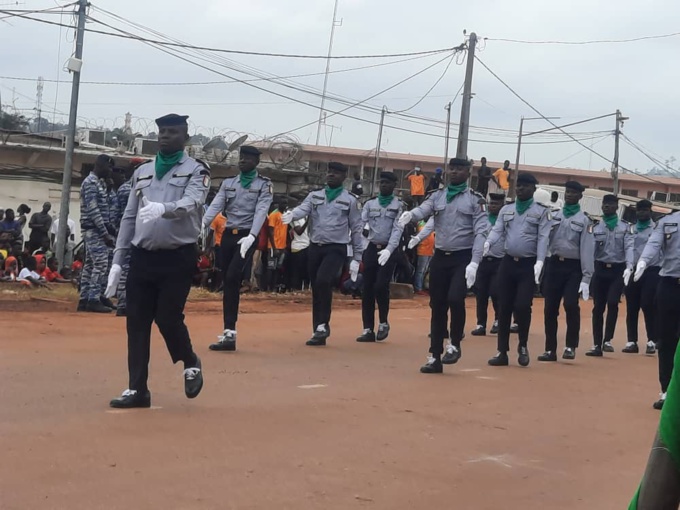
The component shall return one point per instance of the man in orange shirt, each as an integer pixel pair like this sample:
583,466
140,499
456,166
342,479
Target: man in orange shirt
502,177
425,250
278,239
417,180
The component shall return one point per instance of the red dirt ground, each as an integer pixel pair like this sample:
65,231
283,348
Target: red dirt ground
284,426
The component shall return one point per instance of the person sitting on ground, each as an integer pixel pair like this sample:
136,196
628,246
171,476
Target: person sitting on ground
28,275
203,270
51,272
11,269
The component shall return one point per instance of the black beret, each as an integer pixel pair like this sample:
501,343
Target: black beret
105,158
575,185
643,204
172,119
249,149
334,165
460,162
526,178
609,199
388,176
496,196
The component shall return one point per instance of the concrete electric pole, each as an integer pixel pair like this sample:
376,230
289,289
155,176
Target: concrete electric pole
615,164
376,176
464,128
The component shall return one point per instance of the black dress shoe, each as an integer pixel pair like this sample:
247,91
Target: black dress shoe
548,356
632,348
514,328
226,342
651,348
494,328
316,342
658,405
107,302
499,360
596,352
478,331
96,307
121,312
433,366
452,355
569,353
130,399
383,332
367,336
82,305
523,358
193,379
608,347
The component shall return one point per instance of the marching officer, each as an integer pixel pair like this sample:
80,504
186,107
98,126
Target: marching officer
460,226
244,200
614,258
486,284
94,224
335,218
641,294
526,225
568,272
665,238
159,229
382,216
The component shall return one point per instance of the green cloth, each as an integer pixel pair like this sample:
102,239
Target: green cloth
454,189
611,221
521,206
247,178
333,193
165,162
493,218
385,200
570,210
643,225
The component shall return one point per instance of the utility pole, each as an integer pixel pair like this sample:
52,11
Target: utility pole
75,65
325,79
38,102
464,128
513,181
377,150
446,138
615,165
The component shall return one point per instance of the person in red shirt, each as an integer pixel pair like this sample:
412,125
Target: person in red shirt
51,271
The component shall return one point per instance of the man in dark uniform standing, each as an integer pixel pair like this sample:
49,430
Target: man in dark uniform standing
335,218
384,233
569,271
526,225
159,228
460,226
244,200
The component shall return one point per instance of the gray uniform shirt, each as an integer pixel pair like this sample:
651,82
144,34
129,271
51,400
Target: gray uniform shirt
615,246
333,222
571,238
245,209
182,191
383,222
526,235
497,250
458,225
665,239
641,238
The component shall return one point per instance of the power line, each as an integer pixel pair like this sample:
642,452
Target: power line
651,158
596,41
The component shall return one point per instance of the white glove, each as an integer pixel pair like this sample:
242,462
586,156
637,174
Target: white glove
114,278
287,217
584,290
384,256
471,274
627,274
246,243
405,218
415,241
538,267
641,266
151,210
354,270
486,248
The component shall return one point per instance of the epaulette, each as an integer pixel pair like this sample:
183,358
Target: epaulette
354,195
432,191
477,194
591,218
542,205
263,177
206,165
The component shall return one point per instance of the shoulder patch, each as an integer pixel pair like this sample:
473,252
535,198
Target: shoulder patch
591,227
206,165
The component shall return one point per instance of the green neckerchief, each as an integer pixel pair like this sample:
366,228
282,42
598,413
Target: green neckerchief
493,218
333,193
521,206
247,178
454,189
611,221
165,162
643,225
570,210
385,200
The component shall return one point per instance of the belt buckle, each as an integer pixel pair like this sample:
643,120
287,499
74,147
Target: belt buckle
448,252
561,259
379,246
516,259
234,231
489,259
608,266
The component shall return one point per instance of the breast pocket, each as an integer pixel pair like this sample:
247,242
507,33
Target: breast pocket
392,213
141,187
600,237
575,230
342,208
669,231
531,223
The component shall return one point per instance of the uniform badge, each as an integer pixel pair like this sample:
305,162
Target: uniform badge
206,181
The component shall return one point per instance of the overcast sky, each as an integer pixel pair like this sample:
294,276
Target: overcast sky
572,82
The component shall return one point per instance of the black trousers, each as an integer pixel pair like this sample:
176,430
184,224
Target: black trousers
642,295
486,285
233,271
299,269
483,187
376,286
668,315
447,292
157,288
607,287
325,265
561,281
516,295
